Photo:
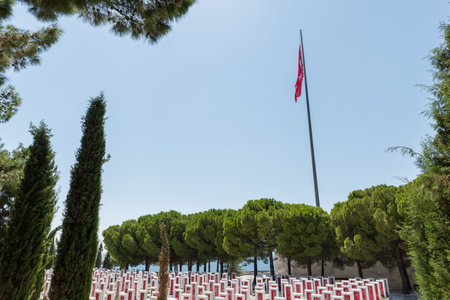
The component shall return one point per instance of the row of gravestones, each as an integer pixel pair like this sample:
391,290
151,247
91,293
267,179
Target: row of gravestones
115,284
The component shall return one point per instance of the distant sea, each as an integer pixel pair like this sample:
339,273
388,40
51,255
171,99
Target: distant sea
246,267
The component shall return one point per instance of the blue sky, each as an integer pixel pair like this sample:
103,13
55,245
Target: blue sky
206,118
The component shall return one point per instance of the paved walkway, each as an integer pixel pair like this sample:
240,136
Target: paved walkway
397,295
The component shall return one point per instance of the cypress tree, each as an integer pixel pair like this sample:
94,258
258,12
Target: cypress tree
47,260
77,247
31,217
107,264
98,261
51,254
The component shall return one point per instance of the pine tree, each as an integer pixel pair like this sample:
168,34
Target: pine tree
147,19
163,264
19,49
98,261
355,229
252,231
77,247
31,217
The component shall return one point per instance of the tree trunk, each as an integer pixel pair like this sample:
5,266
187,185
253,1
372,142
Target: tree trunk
289,267
217,266
171,255
181,267
309,263
272,268
127,267
322,269
147,264
255,269
209,266
190,265
198,266
221,267
402,269
360,270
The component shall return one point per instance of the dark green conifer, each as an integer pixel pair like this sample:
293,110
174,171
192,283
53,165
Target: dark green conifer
31,217
47,262
12,165
107,264
425,201
51,255
77,247
98,261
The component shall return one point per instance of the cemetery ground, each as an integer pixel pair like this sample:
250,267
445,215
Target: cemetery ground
143,285
397,295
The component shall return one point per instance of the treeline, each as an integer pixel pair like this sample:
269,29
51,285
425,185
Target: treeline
361,230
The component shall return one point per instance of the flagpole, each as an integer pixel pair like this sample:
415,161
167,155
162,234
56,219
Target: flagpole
316,187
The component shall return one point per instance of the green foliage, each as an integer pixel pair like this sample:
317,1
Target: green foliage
436,150
113,240
355,229
107,263
19,49
219,218
252,230
77,247
201,233
98,260
184,252
305,233
435,155
47,263
148,233
386,215
147,19
129,240
424,203
12,165
387,220
51,249
427,233
31,216
234,266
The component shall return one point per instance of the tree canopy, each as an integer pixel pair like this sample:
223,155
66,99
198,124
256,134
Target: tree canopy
140,19
252,230
355,229
305,233
113,240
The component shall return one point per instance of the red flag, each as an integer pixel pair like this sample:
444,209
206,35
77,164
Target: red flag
298,84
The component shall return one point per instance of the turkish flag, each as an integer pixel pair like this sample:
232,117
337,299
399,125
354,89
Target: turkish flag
301,74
